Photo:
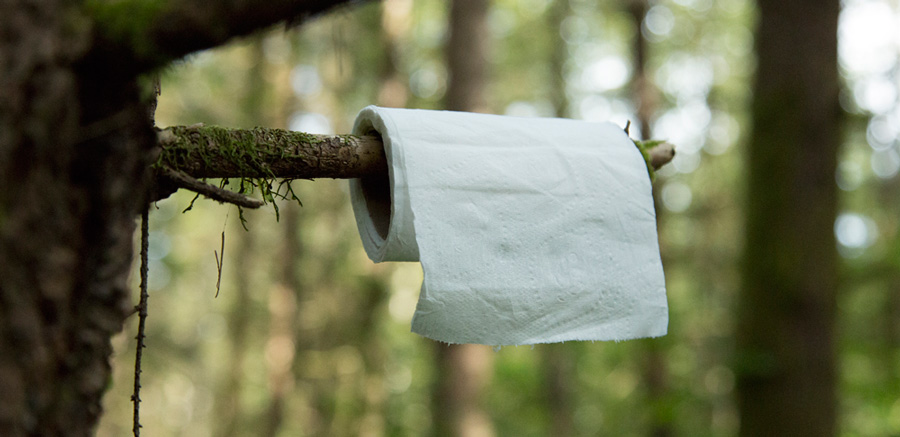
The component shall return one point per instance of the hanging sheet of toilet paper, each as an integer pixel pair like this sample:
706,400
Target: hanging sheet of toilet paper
529,230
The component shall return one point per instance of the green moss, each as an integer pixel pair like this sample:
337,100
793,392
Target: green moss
246,150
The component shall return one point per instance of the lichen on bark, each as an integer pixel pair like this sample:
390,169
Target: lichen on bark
258,157
218,152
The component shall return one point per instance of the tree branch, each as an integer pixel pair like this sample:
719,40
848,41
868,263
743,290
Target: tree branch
179,179
216,152
148,34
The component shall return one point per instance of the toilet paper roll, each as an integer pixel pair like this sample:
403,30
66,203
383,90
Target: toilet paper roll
529,230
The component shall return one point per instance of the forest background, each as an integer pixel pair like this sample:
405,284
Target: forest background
308,337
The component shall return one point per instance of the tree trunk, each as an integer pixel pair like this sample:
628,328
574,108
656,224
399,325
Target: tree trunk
74,139
228,404
467,56
283,301
286,294
654,371
463,370
557,361
75,151
785,363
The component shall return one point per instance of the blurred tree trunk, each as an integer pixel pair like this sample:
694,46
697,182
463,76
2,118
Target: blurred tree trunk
655,372
467,47
643,92
228,403
785,363
558,360
287,291
558,368
888,268
393,90
281,346
464,370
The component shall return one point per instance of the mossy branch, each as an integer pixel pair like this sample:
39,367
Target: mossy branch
217,152
258,156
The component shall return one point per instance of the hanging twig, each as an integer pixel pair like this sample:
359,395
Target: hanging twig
182,180
142,318
220,259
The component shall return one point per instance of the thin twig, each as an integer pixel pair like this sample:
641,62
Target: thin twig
220,259
142,318
182,180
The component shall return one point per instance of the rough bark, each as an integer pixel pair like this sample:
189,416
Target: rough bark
75,152
785,363
217,152
73,160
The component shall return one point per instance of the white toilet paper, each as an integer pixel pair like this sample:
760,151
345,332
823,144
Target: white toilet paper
529,230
